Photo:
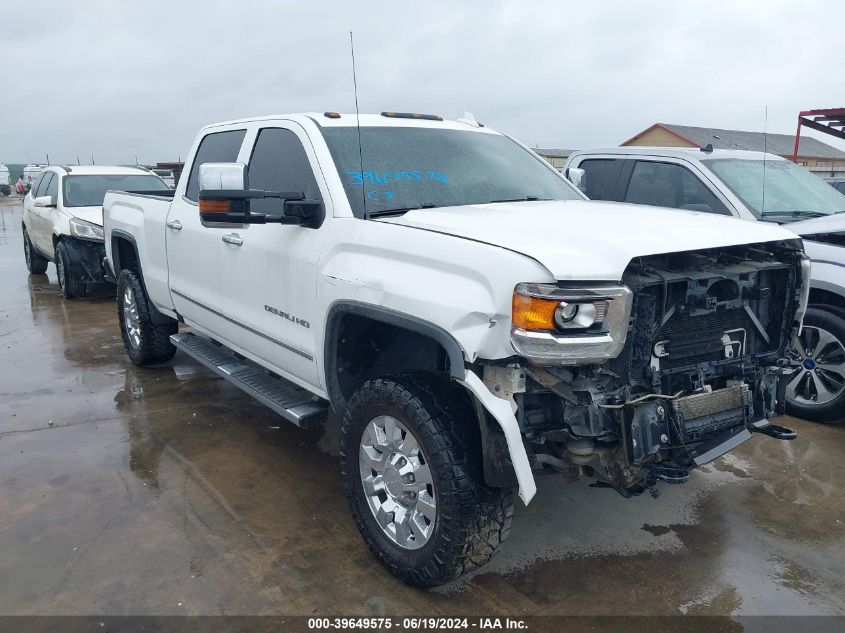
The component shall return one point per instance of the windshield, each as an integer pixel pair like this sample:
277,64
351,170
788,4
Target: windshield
791,191
89,191
411,168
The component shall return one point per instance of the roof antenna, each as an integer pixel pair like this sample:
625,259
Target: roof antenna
77,160
48,160
765,147
92,159
358,123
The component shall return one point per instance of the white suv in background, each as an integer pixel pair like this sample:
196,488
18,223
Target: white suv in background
751,186
63,221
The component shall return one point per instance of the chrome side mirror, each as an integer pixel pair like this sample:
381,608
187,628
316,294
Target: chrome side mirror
217,176
577,177
44,201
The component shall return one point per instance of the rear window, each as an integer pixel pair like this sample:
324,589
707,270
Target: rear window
89,190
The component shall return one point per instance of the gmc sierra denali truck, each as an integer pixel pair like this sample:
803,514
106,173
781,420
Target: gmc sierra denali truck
470,316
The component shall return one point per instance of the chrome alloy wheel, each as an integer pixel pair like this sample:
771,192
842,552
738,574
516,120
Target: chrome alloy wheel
820,359
26,252
60,269
131,320
397,482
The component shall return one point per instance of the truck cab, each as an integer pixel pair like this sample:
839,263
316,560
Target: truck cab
469,316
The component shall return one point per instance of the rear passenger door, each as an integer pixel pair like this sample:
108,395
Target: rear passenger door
670,184
195,250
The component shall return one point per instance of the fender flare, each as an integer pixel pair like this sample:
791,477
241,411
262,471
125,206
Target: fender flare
501,411
391,317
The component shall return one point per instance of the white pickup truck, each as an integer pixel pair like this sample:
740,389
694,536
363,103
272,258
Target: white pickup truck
473,319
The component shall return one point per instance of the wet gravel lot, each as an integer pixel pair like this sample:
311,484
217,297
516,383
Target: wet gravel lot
166,491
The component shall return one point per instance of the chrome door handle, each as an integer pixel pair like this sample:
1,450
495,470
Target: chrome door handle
176,225
233,238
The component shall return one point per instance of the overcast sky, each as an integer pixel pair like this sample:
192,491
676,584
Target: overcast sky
124,79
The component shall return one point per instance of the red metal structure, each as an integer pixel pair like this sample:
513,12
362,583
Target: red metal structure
830,121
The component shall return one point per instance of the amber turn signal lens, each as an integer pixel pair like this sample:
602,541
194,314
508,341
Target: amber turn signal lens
215,206
533,313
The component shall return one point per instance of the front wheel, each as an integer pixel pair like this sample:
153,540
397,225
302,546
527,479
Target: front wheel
145,332
817,389
70,285
411,464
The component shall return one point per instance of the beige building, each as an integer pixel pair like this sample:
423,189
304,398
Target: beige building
818,157
555,157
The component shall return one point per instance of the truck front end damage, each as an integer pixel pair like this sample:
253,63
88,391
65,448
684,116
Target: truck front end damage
641,382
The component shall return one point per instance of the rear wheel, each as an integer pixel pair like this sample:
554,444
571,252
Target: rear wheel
817,390
145,338
411,464
35,263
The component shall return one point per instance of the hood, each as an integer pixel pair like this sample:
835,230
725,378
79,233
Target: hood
834,223
94,215
584,240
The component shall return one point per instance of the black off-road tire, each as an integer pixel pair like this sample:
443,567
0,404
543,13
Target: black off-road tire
154,345
36,264
473,520
70,285
832,320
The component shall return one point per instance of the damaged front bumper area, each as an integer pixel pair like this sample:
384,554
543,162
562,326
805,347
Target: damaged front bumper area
701,369
86,264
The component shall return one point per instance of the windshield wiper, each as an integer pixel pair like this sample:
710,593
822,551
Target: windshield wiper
399,210
794,214
523,199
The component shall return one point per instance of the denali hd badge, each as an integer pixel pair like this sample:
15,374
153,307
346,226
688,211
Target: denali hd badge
287,316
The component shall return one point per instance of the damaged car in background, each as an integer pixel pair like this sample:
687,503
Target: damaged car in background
474,320
63,222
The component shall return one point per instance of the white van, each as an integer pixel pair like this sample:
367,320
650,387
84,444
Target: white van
5,181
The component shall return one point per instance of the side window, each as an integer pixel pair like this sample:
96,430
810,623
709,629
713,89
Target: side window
220,147
41,188
36,182
52,189
601,175
841,187
279,163
670,185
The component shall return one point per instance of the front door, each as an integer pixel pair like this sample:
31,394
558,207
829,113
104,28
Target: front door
41,218
268,271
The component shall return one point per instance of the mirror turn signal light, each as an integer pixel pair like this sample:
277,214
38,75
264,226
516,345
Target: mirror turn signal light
215,206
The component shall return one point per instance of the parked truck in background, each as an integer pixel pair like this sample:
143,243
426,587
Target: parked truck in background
473,320
750,186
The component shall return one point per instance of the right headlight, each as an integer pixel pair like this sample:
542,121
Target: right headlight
559,325
86,230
